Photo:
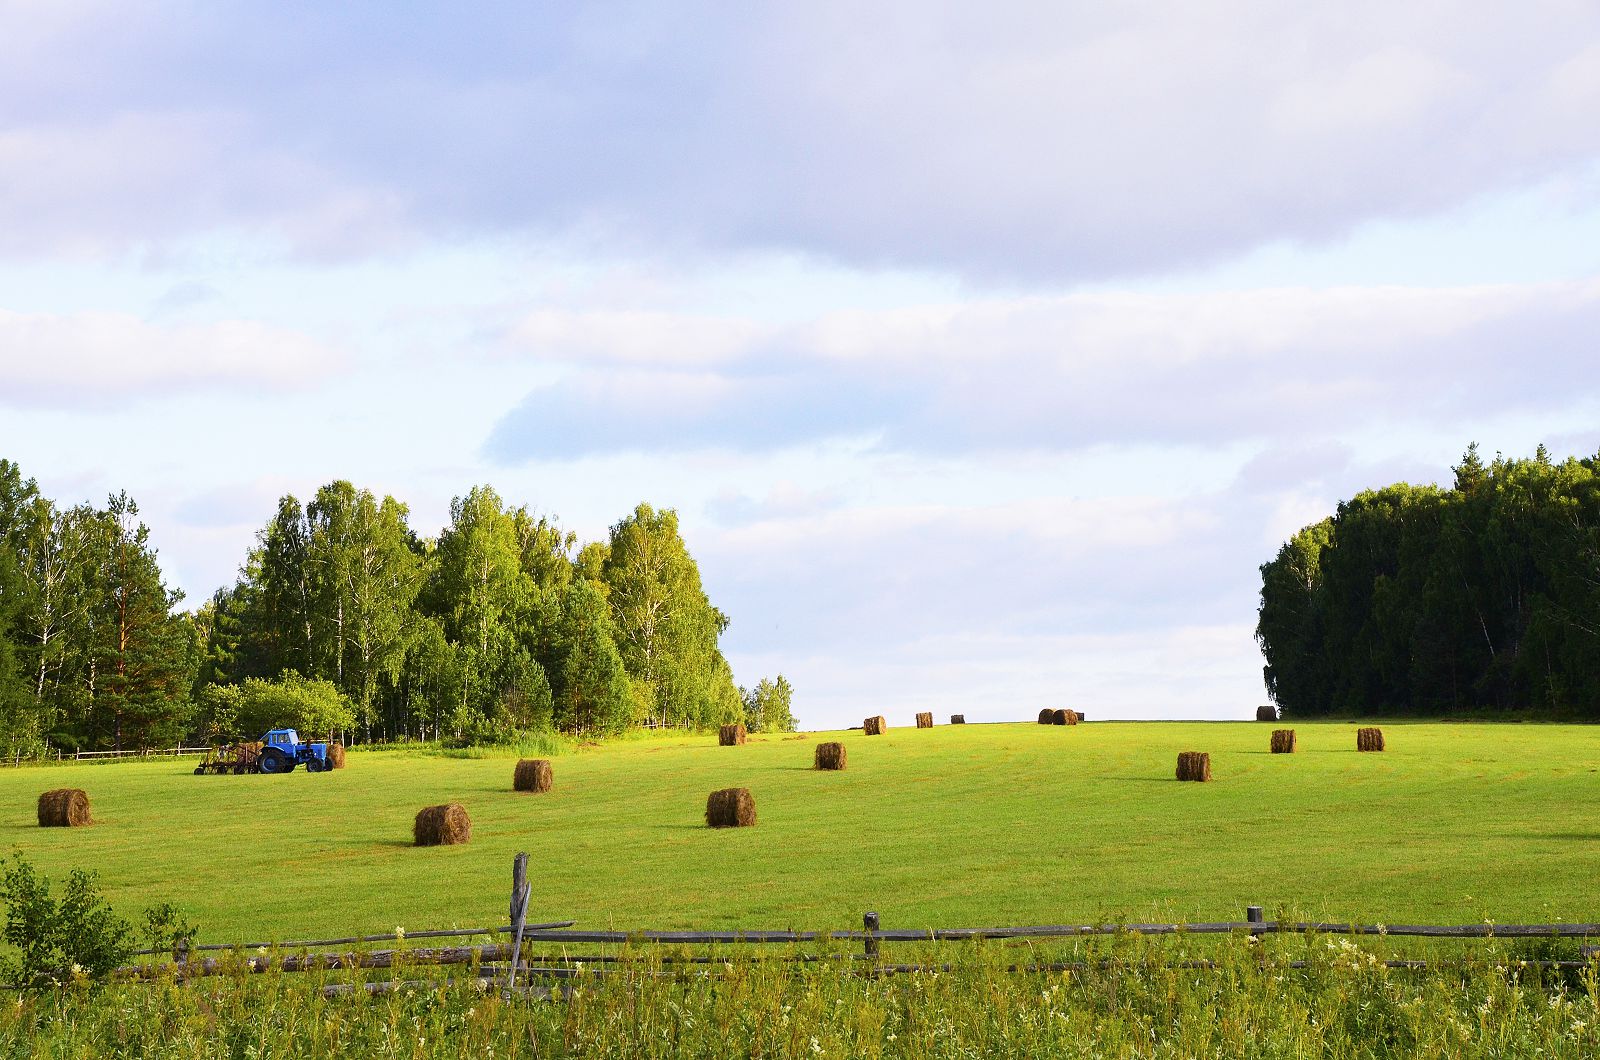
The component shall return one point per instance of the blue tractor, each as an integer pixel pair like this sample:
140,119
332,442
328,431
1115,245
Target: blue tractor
282,750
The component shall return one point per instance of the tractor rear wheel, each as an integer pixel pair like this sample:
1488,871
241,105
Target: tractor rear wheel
314,765
274,761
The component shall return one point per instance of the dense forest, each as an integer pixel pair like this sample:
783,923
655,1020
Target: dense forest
344,619
1484,597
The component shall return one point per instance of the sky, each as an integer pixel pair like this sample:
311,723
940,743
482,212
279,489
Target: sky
985,351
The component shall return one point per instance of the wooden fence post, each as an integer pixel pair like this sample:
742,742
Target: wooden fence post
519,915
870,922
1252,913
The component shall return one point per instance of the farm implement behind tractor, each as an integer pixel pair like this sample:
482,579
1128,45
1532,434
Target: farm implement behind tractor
279,751
235,758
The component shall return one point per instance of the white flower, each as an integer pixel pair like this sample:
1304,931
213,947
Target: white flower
399,932
816,1047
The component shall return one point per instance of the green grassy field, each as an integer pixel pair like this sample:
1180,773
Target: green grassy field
954,826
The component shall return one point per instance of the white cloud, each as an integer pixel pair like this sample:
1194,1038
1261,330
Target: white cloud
1061,372
1020,140
93,358
648,338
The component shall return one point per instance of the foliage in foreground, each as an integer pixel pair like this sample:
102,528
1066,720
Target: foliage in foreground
1135,999
73,935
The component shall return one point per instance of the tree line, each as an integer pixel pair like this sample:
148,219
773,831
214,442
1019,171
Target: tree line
342,615
1484,596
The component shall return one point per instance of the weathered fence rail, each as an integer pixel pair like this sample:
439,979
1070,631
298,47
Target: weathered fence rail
690,938
143,752
505,962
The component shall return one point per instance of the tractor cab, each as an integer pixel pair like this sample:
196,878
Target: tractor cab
282,750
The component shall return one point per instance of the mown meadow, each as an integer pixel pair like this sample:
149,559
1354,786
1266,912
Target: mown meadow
970,825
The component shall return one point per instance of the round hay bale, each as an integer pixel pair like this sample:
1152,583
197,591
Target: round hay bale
1194,765
335,754
731,735
1047,716
830,756
875,726
533,774
958,719
442,826
925,720
1283,741
64,808
731,808
1370,739
1063,717
1267,713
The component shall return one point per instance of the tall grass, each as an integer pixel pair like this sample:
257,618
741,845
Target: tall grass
529,744
1131,998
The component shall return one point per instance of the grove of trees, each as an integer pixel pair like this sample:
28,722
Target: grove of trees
343,618
1422,600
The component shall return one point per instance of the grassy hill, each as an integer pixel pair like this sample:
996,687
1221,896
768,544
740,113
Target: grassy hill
954,826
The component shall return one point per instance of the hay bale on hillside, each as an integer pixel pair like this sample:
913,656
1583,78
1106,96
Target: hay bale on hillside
533,774
925,720
1267,713
1369,739
731,808
442,826
64,808
1063,717
1047,716
958,719
1194,765
335,754
731,735
875,726
830,756
1283,741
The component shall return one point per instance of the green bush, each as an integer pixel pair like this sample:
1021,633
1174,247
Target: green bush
57,941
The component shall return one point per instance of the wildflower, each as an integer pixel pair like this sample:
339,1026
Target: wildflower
399,932
816,1047
262,950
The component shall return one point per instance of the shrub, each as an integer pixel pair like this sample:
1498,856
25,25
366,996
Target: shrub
58,940
166,929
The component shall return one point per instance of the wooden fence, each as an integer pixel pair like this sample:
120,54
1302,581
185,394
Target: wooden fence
15,758
486,959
